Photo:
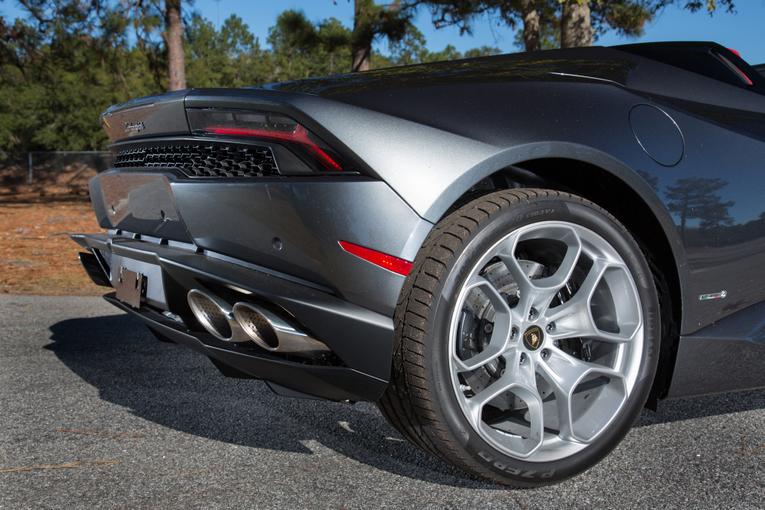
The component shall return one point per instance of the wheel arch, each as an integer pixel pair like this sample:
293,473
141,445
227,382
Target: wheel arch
621,191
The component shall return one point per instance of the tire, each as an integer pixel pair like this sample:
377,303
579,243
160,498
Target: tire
427,398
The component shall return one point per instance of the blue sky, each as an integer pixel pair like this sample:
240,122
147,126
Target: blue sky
742,30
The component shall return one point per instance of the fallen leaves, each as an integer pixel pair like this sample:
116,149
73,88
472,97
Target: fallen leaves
36,254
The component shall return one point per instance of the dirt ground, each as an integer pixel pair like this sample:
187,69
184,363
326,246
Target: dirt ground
36,254
57,183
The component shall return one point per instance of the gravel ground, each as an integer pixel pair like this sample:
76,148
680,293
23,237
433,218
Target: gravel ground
96,413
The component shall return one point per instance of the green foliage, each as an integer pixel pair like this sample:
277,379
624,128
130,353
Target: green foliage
68,60
549,35
709,5
625,17
412,50
229,57
301,48
372,21
58,71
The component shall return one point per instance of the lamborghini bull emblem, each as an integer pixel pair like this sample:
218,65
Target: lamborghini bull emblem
532,338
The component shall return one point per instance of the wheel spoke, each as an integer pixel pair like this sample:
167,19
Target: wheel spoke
519,379
497,299
501,382
565,372
538,294
502,328
516,375
574,319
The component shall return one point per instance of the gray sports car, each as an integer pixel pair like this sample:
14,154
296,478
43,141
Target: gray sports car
511,255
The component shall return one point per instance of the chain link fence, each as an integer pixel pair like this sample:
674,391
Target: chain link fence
60,174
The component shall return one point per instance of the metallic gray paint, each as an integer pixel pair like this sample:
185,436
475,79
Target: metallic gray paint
162,114
137,202
599,135
307,216
430,133
360,337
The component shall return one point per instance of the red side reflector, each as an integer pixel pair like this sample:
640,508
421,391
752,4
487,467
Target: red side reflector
299,135
385,261
735,52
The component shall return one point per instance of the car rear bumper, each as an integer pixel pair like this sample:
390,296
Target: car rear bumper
360,339
289,225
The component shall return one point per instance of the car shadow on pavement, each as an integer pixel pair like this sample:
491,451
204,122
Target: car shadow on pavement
177,388
698,407
180,389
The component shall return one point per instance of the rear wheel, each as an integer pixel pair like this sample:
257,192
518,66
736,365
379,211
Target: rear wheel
526,338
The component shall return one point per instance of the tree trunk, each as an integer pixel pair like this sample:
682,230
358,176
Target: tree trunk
361,39
531,38
361,56
176,65
575,24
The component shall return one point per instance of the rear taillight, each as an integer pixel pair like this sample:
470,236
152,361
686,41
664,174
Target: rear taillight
268,127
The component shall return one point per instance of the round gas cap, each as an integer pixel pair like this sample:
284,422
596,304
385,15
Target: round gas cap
657,133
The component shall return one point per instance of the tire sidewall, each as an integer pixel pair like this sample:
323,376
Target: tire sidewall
500,224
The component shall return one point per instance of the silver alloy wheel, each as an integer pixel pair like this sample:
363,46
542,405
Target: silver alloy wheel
545,341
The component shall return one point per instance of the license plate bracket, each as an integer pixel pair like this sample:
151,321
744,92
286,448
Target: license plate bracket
130,287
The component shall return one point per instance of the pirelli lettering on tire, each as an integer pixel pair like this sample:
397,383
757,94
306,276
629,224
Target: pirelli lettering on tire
513,471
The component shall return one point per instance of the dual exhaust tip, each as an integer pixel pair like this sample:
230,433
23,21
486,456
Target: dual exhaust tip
247,322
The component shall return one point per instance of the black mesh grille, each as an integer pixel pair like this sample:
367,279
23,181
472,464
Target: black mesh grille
201,159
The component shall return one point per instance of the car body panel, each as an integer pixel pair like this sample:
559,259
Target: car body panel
440,171
421,137
147,116
359,336
291,226
706,360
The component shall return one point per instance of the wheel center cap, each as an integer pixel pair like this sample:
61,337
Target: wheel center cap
532,338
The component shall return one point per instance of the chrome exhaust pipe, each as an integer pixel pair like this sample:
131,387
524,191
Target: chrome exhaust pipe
215,315
274,333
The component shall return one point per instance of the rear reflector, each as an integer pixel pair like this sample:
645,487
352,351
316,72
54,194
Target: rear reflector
385,261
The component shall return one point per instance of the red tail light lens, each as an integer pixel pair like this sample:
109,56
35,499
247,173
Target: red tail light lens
389,262
265,126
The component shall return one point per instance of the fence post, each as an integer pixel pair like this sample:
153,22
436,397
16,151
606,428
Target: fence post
29,168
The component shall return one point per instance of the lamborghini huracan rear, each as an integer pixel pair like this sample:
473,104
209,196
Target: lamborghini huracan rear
512,255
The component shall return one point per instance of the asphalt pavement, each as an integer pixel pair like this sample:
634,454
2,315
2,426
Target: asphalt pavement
95,413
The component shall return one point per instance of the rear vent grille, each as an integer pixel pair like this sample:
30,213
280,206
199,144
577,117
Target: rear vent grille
202,159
